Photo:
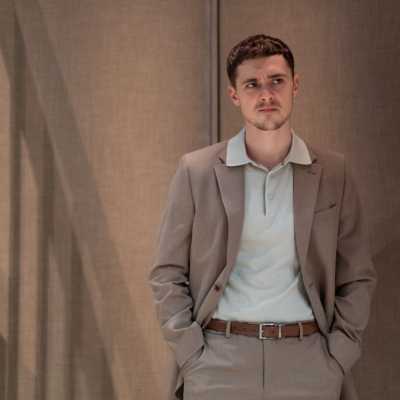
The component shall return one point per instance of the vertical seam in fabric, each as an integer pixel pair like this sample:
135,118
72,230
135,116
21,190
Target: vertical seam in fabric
213,79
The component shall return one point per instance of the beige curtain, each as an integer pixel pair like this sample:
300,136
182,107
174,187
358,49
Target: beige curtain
98,100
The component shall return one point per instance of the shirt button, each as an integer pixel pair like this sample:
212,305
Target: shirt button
217,288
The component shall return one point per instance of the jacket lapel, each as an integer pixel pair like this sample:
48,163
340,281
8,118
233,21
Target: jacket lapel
305,190
231,187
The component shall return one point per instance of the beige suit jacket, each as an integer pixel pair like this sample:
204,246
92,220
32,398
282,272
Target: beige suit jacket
199,239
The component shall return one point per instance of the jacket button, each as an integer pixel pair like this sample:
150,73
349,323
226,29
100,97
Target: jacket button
217,288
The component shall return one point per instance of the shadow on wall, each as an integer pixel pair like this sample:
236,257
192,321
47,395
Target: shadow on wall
70,218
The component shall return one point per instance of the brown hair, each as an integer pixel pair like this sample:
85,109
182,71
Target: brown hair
256,46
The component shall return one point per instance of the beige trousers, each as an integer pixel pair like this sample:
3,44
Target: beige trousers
247,368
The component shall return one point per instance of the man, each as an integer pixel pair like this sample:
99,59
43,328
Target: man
263,238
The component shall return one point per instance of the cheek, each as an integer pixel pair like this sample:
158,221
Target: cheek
287,100
248,109
250,101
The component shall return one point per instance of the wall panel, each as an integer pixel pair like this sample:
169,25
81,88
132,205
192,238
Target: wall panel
7,127
112,94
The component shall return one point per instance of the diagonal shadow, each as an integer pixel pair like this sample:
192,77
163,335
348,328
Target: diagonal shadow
95,259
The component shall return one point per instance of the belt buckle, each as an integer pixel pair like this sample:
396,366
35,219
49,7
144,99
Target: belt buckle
260,331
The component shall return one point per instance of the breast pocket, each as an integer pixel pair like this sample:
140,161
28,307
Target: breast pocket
329,206
324,230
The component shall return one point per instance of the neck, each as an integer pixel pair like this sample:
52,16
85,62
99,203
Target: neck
268,148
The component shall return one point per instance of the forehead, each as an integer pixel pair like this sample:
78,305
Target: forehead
270,65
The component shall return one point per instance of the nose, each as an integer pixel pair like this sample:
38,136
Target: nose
265,93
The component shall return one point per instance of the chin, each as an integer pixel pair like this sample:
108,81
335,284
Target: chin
269,127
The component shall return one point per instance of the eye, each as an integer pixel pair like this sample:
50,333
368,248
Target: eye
277,81
251,85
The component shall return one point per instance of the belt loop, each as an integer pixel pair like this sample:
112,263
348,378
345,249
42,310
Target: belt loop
301,330
228,329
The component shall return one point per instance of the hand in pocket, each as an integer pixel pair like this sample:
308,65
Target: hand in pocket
193,358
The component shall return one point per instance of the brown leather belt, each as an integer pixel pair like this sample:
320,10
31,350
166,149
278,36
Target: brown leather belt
268,330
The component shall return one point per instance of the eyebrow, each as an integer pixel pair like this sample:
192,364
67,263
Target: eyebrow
272,76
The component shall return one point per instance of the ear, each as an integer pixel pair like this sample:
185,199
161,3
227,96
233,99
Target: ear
296,82
233,95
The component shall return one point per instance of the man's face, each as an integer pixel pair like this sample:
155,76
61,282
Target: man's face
265,91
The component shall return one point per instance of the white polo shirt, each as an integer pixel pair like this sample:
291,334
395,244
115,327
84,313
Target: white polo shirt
266,283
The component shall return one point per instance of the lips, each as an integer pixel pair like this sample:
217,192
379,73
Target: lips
267,109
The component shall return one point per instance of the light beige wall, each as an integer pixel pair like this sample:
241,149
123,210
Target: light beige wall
6,145
112,93
348,58
98,100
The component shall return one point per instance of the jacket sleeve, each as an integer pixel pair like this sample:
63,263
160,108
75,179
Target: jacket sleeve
168,276
355,279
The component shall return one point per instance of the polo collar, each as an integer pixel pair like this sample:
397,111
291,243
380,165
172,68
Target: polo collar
236,153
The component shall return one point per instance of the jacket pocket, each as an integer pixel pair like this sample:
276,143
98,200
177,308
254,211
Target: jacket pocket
193,359
325,207
333,363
